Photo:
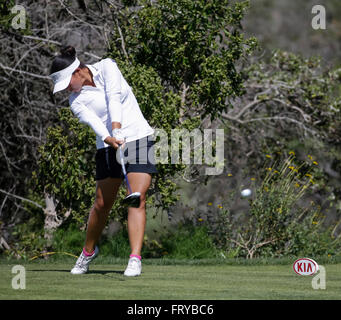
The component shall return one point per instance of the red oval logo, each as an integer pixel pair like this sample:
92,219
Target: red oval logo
305,267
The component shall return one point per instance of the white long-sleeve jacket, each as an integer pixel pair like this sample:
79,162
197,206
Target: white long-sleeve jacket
111,100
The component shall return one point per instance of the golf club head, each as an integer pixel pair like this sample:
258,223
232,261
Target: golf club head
132,200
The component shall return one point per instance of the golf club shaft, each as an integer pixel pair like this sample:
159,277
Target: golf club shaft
124,169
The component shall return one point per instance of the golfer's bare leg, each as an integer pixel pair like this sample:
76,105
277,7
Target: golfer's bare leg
139,182
106,191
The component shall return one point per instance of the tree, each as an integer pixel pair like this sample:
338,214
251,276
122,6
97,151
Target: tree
27,104
290,103
194,47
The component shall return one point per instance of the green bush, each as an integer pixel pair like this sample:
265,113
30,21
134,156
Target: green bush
117,245
189,242
70,240
29,239
186,242
278,223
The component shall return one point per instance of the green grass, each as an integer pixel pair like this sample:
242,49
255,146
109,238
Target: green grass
163,280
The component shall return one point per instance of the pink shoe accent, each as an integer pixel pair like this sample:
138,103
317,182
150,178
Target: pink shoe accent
136,256
88,254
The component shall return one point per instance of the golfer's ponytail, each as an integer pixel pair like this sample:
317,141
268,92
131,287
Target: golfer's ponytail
66,57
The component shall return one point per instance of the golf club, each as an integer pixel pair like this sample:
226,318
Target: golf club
133,198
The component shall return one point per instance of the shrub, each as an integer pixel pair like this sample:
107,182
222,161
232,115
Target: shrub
189,242
117,245
70,240
277,224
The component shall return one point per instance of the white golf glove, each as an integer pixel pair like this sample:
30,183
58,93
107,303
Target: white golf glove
117,134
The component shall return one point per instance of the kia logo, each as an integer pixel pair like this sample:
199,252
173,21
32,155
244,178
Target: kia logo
305,267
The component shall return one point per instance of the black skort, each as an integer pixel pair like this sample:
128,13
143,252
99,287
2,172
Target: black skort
138,157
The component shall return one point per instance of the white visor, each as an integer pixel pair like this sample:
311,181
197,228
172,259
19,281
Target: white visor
62,78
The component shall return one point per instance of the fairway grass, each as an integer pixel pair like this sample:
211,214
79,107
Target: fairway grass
52,280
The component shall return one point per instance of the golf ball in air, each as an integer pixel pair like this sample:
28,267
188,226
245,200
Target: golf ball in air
246,193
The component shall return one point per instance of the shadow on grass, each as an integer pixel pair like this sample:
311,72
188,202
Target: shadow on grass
103,272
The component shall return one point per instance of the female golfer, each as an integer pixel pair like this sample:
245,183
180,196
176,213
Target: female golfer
102,98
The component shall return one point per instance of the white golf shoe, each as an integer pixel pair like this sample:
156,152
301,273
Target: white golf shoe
82,263
134,267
